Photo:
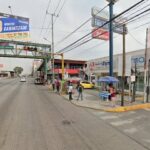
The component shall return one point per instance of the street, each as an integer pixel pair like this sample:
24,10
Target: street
34,118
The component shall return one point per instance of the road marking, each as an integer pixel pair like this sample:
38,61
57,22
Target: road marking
146,140
99,113
109,117
131,130
147,109
119,123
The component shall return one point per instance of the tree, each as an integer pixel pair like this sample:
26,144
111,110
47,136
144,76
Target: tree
18,70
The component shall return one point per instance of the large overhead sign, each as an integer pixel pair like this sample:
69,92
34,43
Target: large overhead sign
100,18
100,34
14,27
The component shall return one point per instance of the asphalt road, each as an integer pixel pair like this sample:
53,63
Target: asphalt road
33,118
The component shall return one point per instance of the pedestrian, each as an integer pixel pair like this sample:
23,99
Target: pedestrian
78,83
70,90
80,92
112,96
57,85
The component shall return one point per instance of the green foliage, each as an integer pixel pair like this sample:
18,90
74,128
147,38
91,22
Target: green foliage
18,70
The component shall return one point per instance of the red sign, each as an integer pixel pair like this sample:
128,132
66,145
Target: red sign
1,65
69,71
100,34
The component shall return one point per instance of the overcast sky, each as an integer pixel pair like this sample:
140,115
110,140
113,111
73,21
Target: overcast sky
73,14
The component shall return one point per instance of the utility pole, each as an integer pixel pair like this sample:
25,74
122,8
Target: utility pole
111,3
148,82
134,84
52,55
123,65
145,67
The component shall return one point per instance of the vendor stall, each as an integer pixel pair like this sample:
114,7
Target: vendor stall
105,81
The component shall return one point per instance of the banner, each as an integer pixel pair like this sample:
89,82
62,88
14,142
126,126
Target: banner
8,25
14,28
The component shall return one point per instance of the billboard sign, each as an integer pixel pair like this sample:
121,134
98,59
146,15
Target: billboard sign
14,28
8,25
100,18
100,34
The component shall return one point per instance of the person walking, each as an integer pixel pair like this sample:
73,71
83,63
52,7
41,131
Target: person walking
70,90
80,92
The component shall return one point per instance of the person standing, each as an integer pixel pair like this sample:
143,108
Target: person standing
58,85
112,92
70,90
80,92
53,85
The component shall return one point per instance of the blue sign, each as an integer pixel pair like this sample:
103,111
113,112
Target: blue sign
8,25
101,22
138,60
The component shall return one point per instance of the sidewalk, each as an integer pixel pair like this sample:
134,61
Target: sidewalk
94,102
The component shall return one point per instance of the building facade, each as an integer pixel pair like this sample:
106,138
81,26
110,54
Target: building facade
134,64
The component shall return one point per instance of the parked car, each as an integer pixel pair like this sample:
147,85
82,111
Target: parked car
38,80
87,85
22,79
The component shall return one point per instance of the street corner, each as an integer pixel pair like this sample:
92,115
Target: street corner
128,108
88,104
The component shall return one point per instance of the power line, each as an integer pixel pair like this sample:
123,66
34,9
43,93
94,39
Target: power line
57,6
135,28
102,25
136,40
45,17
78,28
59,12
104,32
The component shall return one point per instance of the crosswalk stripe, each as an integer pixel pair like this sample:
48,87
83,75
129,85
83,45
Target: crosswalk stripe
109,117
146,140
131,130
99,113
119,123
147,109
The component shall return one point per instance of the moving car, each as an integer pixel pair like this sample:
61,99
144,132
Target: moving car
22,79
87,85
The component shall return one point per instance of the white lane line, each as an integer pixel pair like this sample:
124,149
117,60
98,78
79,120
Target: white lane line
109,117
119,123
131,130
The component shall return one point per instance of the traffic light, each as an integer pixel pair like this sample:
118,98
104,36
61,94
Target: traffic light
33,49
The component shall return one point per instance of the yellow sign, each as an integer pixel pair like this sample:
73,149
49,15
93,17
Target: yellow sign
23,36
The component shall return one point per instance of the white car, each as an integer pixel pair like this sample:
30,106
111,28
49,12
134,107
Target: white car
22,79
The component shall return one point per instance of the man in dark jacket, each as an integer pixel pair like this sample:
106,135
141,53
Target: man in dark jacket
80,91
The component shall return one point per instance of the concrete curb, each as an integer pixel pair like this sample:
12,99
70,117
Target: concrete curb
87,107
129,108
117,109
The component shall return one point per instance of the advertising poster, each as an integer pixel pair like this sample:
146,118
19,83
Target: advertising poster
14,28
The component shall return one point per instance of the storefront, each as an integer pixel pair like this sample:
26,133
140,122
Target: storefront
134,65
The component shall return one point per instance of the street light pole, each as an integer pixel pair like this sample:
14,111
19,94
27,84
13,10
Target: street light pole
111,3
